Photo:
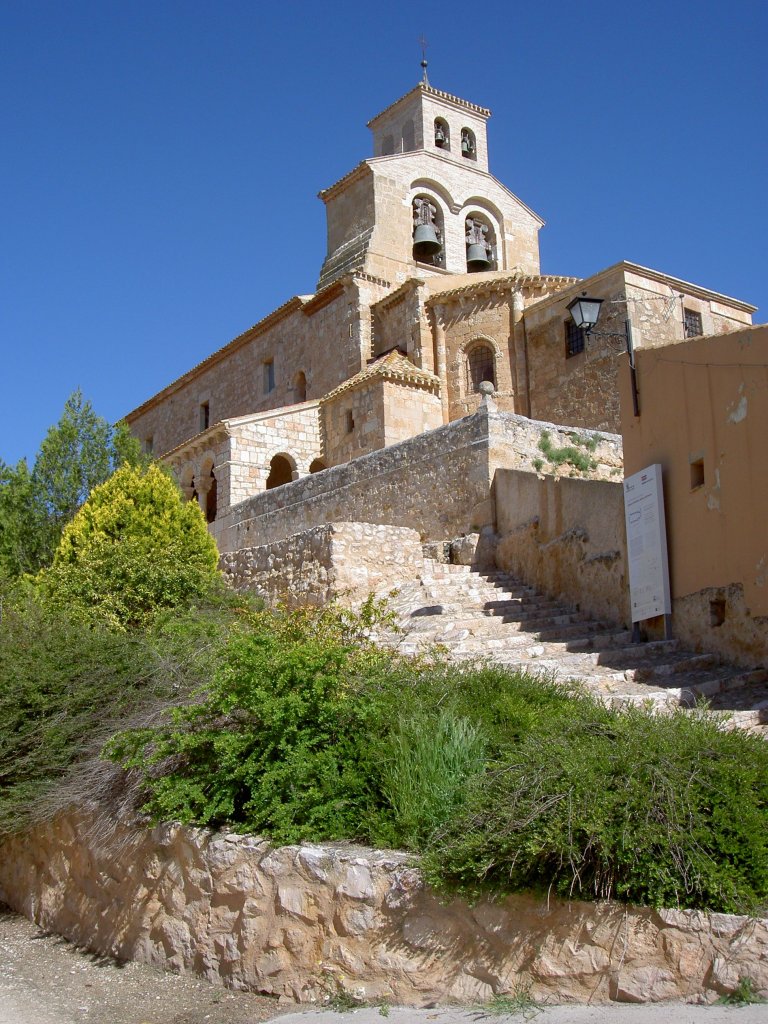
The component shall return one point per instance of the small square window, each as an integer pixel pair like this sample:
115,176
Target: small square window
575,338
205,415
350,419
716,612
697,473
269,376
692,323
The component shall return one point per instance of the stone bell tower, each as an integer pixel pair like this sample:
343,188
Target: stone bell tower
426,203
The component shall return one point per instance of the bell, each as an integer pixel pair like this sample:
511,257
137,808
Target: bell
425,243
477,257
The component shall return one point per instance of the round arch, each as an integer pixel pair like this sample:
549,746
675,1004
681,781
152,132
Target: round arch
282,470
479,361
434,189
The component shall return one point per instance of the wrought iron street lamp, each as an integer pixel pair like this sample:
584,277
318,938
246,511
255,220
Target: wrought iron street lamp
585,313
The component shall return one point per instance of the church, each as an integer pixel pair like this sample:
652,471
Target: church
430,293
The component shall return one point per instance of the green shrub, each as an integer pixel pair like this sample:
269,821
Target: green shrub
661,810
569,454
424,773
134,549
283,740
68,684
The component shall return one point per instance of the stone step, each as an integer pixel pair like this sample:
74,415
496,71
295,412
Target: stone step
493,616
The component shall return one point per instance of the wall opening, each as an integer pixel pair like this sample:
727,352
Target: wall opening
697,473
268,370
211,499
480,366
468,145
481,244
428,232
409,137
317,466
300,387
717,612
205,415
692,324
280,472
350,421
442,134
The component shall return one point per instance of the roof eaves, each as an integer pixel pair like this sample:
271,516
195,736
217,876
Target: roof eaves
439,94
292,305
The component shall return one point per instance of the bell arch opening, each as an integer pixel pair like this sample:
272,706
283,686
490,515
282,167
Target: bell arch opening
428,232
442,134
481,244
468,144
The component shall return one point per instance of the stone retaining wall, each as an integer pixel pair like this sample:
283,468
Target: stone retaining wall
338,560
307,921
438,483
566,537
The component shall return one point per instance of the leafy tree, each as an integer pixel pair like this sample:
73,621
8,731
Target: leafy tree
20,521
81,451
77,454
134,548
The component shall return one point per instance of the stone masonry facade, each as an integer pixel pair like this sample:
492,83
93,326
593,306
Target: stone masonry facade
431,286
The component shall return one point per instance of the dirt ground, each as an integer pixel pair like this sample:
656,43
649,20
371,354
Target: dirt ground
45,980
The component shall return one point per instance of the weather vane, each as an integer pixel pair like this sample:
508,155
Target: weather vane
423,43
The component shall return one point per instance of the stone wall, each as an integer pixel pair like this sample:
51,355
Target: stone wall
432,483
307,922
566,537
338,560
326,337
438,483
583,389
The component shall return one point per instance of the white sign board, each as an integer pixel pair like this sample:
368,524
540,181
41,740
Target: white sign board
647,544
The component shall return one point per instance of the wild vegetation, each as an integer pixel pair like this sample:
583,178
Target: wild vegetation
130,674
578,454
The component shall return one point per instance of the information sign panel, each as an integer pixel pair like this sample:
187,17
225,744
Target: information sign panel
647,544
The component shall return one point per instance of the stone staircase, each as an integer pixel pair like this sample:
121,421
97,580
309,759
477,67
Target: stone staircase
493,616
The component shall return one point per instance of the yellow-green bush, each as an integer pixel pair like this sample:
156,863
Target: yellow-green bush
134,548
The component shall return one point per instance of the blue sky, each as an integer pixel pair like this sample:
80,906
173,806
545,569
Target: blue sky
151,210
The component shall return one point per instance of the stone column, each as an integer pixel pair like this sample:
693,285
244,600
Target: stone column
522,395
440,358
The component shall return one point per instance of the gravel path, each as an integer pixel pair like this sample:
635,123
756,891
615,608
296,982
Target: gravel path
46,980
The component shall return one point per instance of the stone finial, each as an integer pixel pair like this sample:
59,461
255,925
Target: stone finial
487,390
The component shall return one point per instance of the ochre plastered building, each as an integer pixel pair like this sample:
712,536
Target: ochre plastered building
430,286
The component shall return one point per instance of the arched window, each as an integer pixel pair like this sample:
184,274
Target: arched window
442,134
280,472
481,244
428,232
317,466
211,499
481,365
468,147
300,387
